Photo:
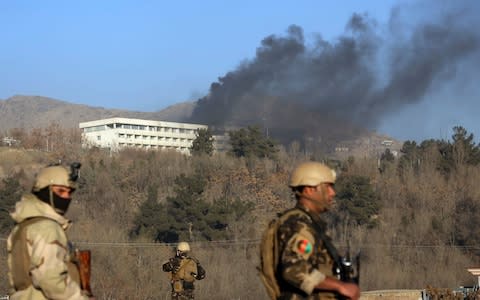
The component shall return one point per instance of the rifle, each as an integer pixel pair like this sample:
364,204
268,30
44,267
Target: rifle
344,269
83,264
175,263
342,266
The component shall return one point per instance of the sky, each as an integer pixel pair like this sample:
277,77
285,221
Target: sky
147,55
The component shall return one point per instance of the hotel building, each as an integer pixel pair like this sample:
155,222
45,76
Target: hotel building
117,133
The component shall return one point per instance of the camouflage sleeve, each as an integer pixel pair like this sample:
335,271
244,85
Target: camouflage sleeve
168,266
48,248
298,257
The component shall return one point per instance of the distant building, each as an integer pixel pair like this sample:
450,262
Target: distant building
9,141
118,133
387,143
341,149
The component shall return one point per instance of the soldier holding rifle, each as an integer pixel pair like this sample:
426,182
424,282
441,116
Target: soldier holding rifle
307,260
183,270
40,263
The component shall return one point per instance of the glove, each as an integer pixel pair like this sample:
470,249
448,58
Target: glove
200,272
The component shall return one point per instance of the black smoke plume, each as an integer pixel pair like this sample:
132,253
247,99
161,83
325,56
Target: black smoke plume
334,90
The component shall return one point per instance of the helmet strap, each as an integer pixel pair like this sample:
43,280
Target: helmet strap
50,197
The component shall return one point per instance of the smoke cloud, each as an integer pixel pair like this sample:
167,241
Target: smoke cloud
335,89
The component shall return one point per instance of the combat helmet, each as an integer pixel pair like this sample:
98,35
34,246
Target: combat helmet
53,175
311,174
56,175
183,247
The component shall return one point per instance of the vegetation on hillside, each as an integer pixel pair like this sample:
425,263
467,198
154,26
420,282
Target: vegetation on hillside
413,217
250,142
203,142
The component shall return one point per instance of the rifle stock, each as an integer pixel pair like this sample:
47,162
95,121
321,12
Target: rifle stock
83,258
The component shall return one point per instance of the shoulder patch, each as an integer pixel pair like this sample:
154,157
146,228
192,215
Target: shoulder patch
302,243
304,246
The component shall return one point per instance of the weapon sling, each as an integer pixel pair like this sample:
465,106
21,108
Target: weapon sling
328,245
178,284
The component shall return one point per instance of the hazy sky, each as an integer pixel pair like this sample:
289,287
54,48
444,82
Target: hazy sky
147,55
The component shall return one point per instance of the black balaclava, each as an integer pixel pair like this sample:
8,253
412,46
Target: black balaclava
59,204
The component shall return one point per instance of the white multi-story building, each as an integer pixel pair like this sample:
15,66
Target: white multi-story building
117,133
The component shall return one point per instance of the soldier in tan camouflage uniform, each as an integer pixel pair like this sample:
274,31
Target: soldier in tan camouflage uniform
305,268
38,258
183,270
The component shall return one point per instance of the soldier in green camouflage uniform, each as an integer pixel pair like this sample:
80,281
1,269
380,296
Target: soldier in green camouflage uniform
39,262
183,271
305,268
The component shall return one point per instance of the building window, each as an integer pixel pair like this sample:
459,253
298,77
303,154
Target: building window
94,128
99,137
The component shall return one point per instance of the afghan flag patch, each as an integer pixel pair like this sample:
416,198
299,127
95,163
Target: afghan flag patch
304,247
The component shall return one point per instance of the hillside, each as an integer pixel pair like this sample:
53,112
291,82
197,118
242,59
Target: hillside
392,217
36,111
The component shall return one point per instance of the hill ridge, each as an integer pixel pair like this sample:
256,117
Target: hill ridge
32,111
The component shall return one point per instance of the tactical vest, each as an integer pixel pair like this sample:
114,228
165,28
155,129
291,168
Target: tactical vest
20,257
183,279
187,266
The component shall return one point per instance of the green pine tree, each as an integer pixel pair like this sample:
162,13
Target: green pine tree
357,200
250,142
203,142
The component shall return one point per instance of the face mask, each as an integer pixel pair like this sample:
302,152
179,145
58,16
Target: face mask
59,204
181,254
